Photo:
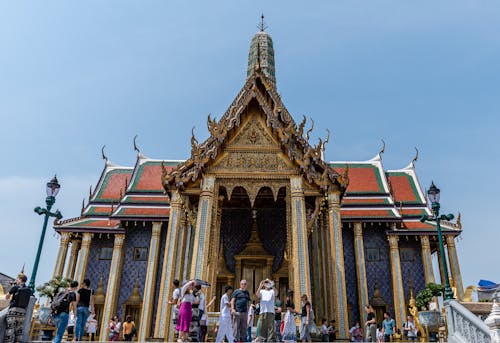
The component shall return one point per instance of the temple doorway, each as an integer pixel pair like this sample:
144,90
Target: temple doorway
253,239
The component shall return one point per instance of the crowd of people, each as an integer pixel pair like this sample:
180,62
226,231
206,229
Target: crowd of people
385,331
274,320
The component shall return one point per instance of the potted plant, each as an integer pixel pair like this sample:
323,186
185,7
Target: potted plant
429,320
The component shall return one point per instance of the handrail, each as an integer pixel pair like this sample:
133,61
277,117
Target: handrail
463,325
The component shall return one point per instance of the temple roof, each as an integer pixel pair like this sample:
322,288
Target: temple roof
373,195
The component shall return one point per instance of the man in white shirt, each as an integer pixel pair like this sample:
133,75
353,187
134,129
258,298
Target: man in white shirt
266,294
225,327
409,329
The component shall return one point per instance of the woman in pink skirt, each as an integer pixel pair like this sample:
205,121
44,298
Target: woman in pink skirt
185,311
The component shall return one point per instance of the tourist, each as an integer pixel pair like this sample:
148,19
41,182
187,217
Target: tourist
65,302
174,301
240,302
70,330
129,329
277,317
289,333
325,337
202,307
332,331
85,306
356,333
91,326
114,328
305,333
371,324
389,326
19,296
224,328
410,331
250,320
266,293
187,300
380,334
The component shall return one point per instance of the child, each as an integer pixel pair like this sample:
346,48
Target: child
91,327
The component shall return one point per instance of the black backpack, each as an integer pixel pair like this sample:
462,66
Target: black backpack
60,303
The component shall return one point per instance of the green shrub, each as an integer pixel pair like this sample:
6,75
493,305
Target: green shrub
431,290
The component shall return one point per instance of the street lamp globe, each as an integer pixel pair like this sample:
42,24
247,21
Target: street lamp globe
53,187
433,193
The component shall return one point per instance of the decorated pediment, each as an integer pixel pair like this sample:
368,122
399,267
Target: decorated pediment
271,142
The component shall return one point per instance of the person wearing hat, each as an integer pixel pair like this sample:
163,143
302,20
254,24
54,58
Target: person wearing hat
266,294
19,296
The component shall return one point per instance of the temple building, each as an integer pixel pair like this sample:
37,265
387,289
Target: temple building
254,200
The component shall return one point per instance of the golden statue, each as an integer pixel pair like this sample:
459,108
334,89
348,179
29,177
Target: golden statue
414,312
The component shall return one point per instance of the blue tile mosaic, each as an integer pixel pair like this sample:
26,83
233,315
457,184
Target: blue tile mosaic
378,271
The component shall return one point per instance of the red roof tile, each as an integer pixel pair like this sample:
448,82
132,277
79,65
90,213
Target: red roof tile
361,201
112,182
363,178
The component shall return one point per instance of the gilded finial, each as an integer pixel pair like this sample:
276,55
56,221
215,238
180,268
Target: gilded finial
112,208
459,220
83,206
382,150
104,157
90,192
135,145
310,130
262,25
22,269
415,159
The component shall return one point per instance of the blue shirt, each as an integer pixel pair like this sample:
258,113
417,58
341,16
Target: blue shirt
389,325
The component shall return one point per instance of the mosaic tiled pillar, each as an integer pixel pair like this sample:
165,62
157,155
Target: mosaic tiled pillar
214,259
454,266
149,283
83,257
163,322
327,270
61,254
397,282
317,281
337,252
181,246
113,288
427,259
202,238
73,256
359,253
185,270
301,278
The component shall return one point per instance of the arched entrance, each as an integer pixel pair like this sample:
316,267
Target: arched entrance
253,238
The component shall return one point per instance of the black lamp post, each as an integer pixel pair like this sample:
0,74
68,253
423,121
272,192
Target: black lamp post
433,195
52,189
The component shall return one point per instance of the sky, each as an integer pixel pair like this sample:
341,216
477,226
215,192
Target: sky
75,76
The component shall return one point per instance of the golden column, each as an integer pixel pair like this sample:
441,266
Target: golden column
337,256
300,259
149,283
73,256
359,253
181,246
61,254
202,233
454,266
83,257
113,288
397,282
164,311
427,259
